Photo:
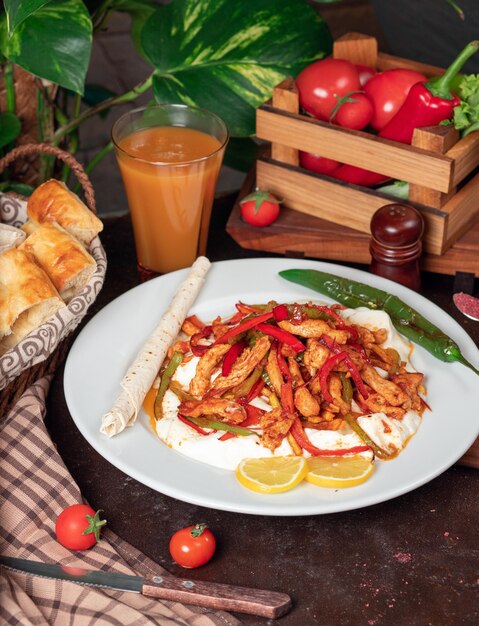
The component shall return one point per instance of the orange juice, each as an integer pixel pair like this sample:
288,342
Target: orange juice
169,173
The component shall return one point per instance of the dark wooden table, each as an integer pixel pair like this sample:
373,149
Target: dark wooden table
412,560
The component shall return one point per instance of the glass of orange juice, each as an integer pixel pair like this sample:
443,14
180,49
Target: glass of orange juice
169,157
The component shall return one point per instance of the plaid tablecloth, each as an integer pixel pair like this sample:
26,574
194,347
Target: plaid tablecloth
34,487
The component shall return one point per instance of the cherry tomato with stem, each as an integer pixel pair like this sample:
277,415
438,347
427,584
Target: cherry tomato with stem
321,83
354,110
388,90
78,527
317,164
260,208
192,546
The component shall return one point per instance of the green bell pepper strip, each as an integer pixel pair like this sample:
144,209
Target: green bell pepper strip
406,320
210,422
379,452
170,369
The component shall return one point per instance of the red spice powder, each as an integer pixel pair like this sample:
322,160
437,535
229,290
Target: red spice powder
469,305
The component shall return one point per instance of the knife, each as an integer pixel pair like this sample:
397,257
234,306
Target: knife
271,604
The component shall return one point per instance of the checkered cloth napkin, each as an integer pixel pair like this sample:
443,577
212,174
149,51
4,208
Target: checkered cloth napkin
34,487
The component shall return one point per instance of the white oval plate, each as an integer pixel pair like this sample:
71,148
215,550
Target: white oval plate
109,342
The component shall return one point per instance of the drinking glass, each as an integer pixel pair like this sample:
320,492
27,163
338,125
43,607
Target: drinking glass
169,156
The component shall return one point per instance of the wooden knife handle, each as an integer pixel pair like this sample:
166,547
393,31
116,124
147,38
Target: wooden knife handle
218,596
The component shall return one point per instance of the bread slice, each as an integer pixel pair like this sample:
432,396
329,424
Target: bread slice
67,263
54,202
27,297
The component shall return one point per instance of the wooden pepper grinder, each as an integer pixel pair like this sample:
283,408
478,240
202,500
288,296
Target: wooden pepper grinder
396,244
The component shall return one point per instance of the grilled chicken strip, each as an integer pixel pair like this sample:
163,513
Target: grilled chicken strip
205,367
314,328
245,364
392,393
227,411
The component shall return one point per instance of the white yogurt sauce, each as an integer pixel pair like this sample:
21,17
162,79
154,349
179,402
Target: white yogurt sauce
389,434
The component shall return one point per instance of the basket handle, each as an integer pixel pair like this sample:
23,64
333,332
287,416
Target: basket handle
66,157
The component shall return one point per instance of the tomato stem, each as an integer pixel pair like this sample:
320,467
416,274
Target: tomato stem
95,525
198,530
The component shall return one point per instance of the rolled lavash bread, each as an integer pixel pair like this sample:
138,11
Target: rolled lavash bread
27,297
65,260
144,369
54,202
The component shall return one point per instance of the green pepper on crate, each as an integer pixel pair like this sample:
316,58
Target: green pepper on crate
405,319
430,103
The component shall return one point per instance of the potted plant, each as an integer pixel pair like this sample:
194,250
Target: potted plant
225,56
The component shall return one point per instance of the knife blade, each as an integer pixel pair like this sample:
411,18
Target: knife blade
217,596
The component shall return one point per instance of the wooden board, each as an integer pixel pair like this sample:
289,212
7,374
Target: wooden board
302,235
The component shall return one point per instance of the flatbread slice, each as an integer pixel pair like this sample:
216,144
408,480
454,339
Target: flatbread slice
141,374
54,202
63,258
27,297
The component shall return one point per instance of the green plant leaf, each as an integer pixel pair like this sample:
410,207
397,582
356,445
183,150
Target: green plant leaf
10,127
18,10
140,11
54,43
227,56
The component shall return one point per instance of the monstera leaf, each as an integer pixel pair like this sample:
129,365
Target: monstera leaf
52,42
227,56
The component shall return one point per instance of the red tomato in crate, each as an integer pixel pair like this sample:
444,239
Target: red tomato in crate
353,111
260,208
387,91
318,164
192,546
78,527
321,83
366,72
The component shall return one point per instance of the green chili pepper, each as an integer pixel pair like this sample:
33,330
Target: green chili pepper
210,422
165,381
379,452
405,319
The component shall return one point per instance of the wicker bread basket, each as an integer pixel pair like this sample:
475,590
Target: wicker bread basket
43,349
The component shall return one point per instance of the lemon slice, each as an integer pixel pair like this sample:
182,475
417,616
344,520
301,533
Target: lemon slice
272,474
339,471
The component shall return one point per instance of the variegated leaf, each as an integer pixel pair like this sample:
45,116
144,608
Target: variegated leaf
53,43
227,56
18,10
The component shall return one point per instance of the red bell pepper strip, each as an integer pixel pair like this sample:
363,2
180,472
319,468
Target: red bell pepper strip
428,104
255,390
193,426
243,327
231,356
325,371
282,335
280,312
199,350
303,441
283,366
253,417
356,376
359,176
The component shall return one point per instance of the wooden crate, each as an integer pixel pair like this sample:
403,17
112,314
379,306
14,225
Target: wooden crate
440,167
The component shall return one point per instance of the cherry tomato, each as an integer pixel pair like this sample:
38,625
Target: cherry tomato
387,91
366,72
192,546
323,82
318,164
260,208
78,527
353,111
